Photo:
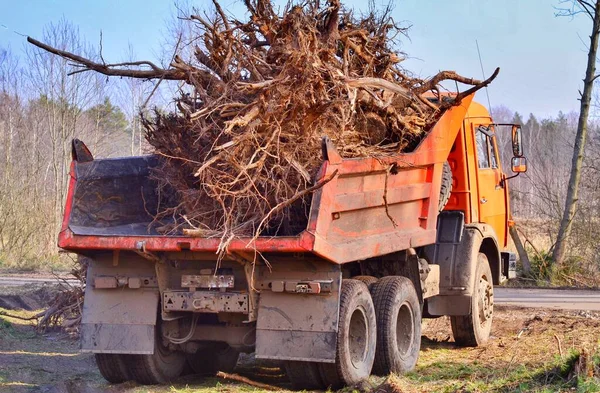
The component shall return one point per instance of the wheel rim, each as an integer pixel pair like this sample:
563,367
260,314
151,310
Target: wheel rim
358,337
405,329
485,300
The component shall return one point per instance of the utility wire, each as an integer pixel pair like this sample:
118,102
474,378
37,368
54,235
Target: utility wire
2,25
487,93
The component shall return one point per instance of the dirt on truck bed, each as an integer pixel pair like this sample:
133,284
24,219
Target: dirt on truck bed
530,350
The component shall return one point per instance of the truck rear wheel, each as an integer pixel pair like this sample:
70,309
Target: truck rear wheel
113,367
398,315
369,280
163,366
304,375
213,358
356,338
474,330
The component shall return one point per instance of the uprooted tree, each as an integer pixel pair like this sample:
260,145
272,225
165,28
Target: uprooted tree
242,152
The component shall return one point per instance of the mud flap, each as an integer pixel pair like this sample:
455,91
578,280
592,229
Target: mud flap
299,326
456,251
119,320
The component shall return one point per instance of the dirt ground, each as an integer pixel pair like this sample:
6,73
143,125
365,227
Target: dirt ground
530,350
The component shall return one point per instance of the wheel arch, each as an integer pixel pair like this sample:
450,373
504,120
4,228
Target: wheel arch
484,241
489,247
458,262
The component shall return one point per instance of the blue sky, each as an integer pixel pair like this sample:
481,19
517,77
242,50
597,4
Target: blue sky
542,57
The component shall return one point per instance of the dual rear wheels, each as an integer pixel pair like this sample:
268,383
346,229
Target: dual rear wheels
161,367
379,332
113,367
356,341
398,325
166,365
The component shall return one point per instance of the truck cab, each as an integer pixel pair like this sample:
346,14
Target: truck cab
473,227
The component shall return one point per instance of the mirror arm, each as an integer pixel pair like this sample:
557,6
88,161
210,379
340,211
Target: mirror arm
503,181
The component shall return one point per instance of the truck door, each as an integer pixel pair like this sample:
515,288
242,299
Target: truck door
492,196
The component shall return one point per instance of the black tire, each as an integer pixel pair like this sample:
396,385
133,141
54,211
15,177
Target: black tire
474,329
356,338
213,358
446,188
162,367
113,367
304,375
398,315
368,280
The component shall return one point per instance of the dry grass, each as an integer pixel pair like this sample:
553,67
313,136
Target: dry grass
581,268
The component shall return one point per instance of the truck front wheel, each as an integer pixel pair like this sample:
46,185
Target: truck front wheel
474,330
398,325
356,338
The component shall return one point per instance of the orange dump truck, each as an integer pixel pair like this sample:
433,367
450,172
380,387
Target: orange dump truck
389,241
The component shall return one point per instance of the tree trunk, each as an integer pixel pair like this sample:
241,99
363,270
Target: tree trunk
579,147
520,249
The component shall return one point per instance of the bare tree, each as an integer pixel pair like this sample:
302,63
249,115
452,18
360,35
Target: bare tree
133,94
61,99
592,10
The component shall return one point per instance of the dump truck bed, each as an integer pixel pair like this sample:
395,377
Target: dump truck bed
370,207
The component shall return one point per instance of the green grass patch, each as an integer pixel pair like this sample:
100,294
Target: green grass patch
14,328
474,376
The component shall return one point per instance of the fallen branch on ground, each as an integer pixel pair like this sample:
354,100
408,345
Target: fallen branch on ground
247,381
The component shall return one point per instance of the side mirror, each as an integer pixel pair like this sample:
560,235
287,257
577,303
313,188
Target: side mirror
519,164
517,144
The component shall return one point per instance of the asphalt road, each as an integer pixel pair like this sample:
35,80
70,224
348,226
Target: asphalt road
21,280
564,299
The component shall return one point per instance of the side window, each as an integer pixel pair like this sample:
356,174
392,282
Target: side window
486,150
482,149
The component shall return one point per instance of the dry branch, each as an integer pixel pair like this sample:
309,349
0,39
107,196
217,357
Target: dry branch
247,381
109,70
65,309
